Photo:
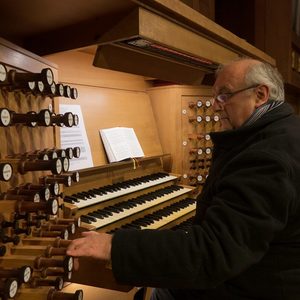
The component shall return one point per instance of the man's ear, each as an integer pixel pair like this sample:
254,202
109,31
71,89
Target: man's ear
262,95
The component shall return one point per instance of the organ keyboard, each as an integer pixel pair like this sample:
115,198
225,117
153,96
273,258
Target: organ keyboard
164,216
97,195
118,196
110,214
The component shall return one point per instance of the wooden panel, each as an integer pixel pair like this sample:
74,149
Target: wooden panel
15,56
135,61
166,109
94,293
169,113
77,67
126,104
168,34
204,26
178,37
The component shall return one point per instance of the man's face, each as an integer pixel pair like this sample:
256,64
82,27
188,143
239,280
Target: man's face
238,107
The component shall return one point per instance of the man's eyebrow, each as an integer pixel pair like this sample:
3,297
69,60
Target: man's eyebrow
224,89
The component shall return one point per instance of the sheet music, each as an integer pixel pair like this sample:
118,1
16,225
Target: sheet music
76,137
120,143
133,143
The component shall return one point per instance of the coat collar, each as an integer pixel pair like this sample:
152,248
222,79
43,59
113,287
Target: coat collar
228,138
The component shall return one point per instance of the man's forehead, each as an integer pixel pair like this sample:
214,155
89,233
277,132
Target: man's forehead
224,83
229,78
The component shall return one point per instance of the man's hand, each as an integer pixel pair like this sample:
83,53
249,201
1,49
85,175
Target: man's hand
91,244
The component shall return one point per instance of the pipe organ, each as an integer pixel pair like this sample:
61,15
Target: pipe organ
43,204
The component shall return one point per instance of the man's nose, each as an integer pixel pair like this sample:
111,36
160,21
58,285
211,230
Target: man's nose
216,105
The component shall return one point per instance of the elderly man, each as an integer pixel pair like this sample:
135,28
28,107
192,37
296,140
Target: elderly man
245,241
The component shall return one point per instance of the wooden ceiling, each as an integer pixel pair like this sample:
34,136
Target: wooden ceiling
49,26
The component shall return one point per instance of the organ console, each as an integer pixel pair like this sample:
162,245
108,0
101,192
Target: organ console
145,197
106,199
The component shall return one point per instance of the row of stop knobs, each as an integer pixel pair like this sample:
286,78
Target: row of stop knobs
41,83
42,118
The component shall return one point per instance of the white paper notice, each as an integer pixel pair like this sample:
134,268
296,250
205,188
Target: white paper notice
76,137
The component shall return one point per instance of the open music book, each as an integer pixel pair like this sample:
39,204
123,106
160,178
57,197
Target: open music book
120,143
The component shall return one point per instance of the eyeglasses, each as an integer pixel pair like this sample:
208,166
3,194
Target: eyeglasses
223,97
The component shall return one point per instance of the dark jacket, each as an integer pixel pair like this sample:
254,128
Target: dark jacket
245,243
